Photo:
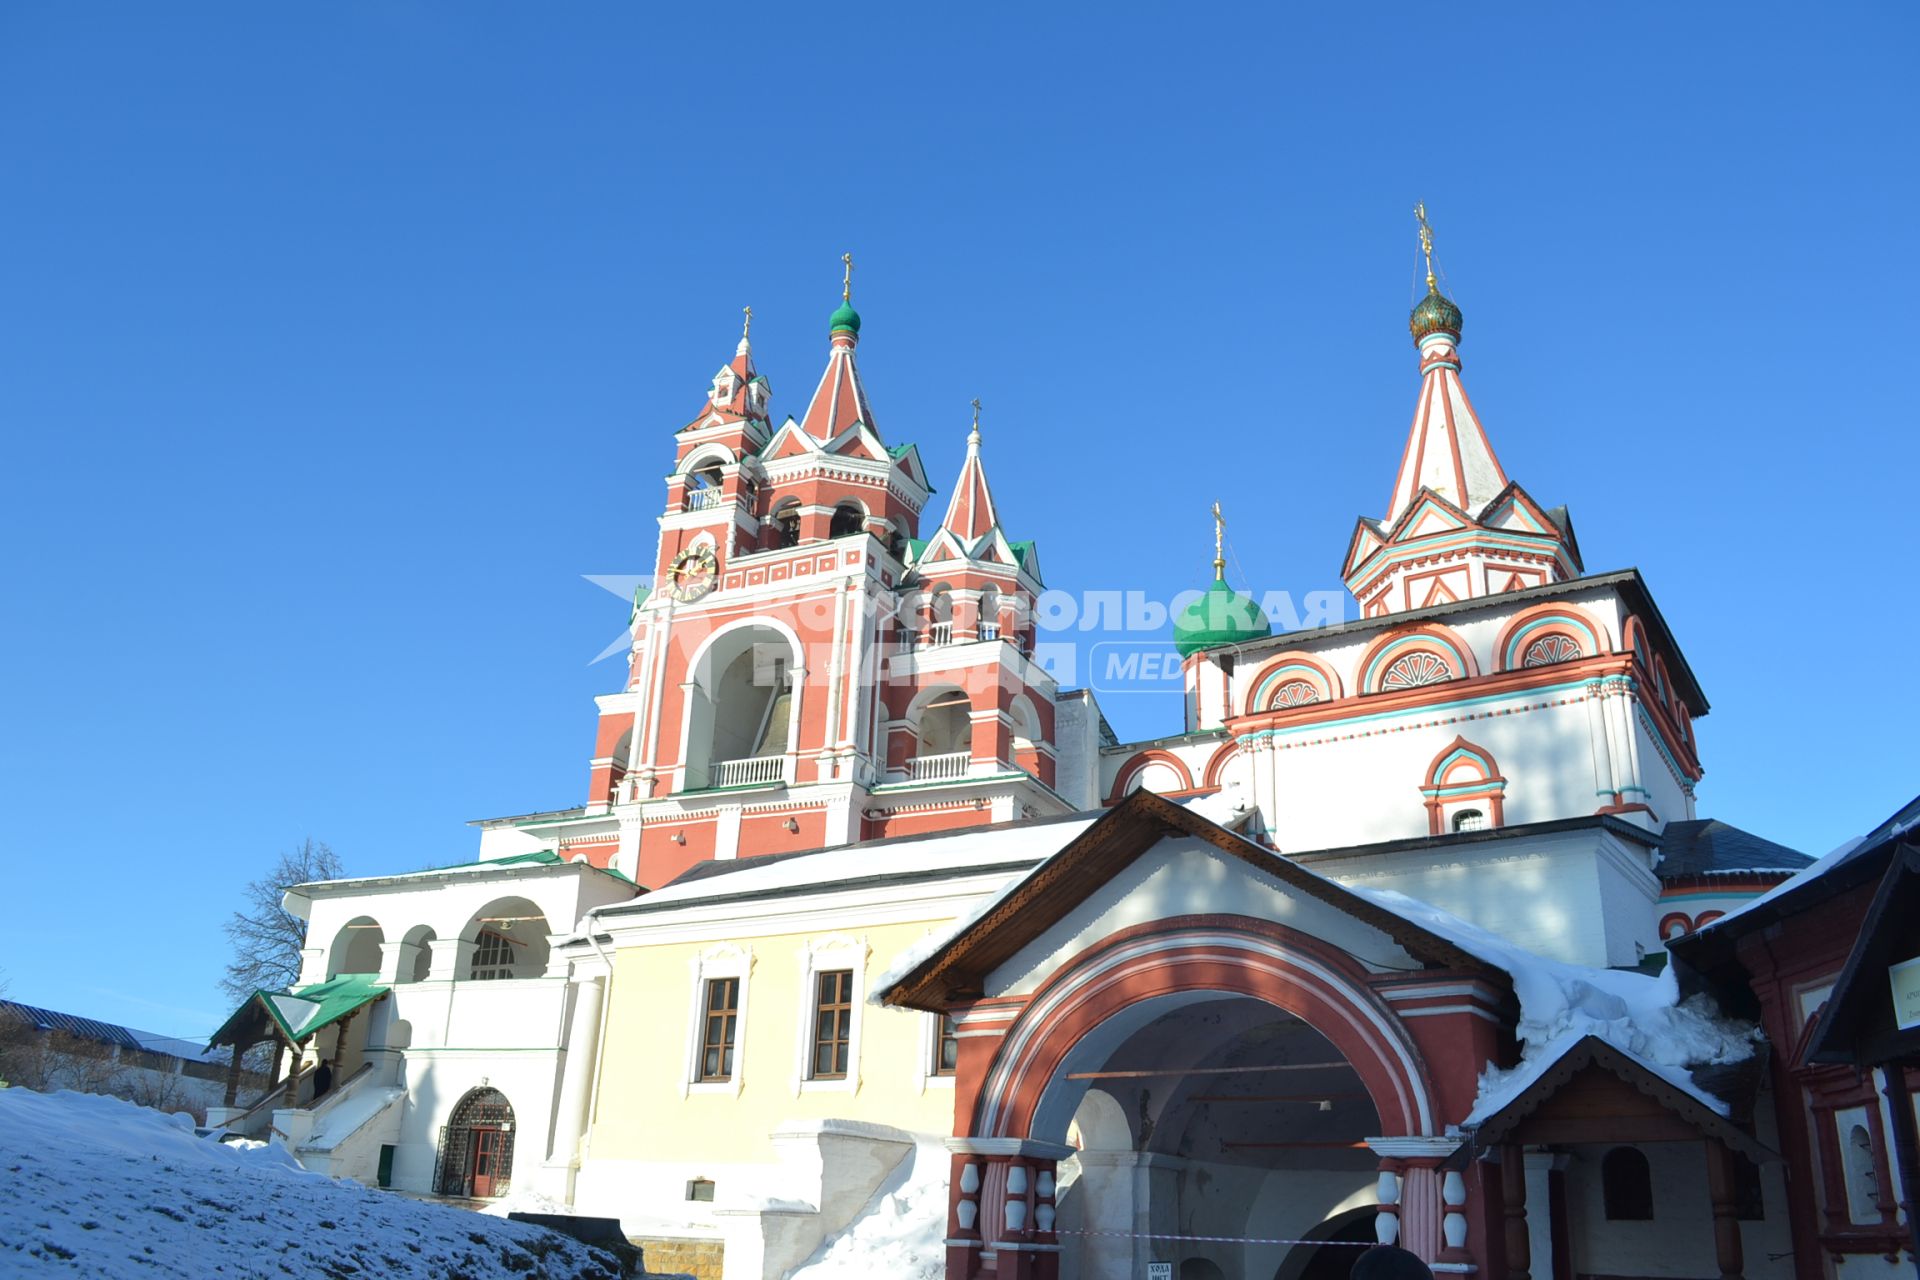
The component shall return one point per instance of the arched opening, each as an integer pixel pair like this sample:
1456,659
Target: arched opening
1470,820
740,710
510,941
786,524
940,616
989,614
1026,733
705,486
1626,1185
356,948
417,960
897,541
848,519
476,1147
1263,1117
1338,1242
943,736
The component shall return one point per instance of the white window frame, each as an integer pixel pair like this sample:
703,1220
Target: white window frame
930,1045
727,960
821,955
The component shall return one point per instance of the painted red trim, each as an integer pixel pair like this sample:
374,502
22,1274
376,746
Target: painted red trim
1032,1054
1140,761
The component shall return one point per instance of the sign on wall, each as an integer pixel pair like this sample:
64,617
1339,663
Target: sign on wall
1159,1271
1905,980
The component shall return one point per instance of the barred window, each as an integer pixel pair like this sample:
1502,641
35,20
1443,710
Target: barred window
716,1040
946,1047
493,958
832,1023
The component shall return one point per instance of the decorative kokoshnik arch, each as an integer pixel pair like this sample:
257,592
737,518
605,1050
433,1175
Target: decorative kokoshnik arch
1137,973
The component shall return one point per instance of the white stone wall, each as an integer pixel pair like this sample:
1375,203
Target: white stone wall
1584,896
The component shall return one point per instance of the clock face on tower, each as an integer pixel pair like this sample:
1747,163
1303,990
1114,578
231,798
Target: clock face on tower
692,575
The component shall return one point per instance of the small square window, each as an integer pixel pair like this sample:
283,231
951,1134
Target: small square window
700,1189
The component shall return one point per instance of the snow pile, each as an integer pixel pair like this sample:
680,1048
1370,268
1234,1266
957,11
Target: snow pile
1560,1004
901,1234
96,1187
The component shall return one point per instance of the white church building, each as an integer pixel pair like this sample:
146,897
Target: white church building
858,898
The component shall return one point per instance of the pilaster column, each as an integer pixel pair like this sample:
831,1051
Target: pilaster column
1410,1193
576,1084
452,959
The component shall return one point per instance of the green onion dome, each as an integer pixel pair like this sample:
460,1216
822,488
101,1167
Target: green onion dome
1221,616
846,318
1435,314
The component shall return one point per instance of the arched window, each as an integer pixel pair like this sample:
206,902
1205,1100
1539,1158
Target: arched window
786,524
1626,1185
356,948
848,519
944,736
940,628
420,938
989,614
476,1147
510,941
1469,820
1863,1181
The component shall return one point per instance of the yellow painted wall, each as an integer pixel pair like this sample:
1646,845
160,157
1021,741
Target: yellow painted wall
640,1113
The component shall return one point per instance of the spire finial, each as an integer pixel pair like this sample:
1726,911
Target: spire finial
746,326
846,285
1219,545
1426,243
973,437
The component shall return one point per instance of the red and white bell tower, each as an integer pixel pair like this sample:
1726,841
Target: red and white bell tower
807,671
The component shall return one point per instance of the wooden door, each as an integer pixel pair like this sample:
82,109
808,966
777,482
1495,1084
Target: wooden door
487,1161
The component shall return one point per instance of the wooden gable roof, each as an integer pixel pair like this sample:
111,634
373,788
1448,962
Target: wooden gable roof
1047,893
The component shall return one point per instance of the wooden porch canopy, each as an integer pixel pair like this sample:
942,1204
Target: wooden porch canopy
292,1018
1595,1093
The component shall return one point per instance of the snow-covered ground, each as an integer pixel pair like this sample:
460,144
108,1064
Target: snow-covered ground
900,1234
92,1186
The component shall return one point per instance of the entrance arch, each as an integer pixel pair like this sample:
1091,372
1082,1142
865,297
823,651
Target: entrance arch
1115,988
476,1147
1213,1084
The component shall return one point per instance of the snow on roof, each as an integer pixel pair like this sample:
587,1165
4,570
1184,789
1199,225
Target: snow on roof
1639,1014
1002,846
1813,871
101,1188
108,1032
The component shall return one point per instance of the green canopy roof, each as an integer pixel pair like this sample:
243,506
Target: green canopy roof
301,1012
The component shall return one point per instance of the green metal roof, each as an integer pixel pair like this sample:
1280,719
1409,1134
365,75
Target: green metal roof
301,1012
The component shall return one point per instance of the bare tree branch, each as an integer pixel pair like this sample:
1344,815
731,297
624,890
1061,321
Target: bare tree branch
266,939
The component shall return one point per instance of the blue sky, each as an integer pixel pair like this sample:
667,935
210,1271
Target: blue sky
337,343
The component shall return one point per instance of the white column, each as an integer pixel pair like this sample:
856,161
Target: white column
1540,1167
576,1084
452,959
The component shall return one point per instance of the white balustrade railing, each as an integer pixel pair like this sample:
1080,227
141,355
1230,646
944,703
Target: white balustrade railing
705,499
952,764
940,633
740,773
989,631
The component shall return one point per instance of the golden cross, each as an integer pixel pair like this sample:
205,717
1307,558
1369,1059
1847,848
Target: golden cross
747,327
1219,541
846,285
1426,239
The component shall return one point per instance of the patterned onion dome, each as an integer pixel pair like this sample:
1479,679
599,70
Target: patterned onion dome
845,318
1221,616
1435,314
